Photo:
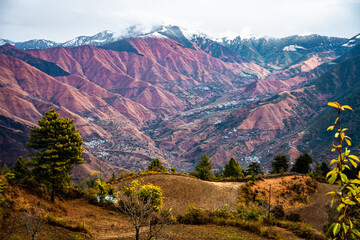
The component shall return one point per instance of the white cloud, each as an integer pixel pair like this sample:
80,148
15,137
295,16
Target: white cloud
66,19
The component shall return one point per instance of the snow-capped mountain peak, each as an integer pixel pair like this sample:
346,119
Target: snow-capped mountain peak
97,39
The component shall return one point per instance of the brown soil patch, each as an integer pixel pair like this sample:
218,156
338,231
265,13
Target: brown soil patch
180,191
103,223
315,212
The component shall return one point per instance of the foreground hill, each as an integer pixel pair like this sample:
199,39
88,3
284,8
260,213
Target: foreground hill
74,218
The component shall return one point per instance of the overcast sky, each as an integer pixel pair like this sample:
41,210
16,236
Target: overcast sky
61,20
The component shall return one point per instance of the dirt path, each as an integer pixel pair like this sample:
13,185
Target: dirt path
315,212
227,185
103,224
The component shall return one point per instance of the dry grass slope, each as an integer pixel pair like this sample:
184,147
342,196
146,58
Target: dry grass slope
180,191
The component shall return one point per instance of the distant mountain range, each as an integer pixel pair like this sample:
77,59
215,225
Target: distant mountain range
174,95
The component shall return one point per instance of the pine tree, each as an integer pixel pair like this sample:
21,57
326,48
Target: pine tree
156,166
59,146
5,169
233,169
21,169
302,163
253,168
280,164
204,167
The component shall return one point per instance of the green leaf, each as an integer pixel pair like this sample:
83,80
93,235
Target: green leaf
333,161
336,229
341,206
345,227
332,179
356,181
356,232
331,193
330,173
344,178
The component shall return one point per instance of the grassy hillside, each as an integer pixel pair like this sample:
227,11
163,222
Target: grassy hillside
73,217
180,191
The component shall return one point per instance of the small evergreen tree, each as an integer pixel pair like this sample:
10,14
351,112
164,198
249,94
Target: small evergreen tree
322,170
59,146
5,169
156,166
204,168
280,164
21,169
233,169
302,163
253,168
113,177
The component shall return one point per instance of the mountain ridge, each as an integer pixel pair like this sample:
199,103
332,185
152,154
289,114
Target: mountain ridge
152,97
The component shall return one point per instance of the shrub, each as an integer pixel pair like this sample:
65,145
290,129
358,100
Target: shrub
194,215
254,227
74,193
156,166
270,233
223,212
105,190
304,231
294,217
278,211
249,212
3,186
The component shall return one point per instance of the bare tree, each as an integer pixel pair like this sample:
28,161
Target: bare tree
142,213
34,219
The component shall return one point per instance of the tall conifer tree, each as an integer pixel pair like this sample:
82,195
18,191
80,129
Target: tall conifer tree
59,146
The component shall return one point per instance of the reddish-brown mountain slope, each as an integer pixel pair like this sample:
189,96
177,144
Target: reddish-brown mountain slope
290,78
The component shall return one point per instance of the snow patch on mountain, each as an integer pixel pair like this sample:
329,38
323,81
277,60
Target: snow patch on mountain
292,48
194,34
97,39
153,35
350,43
5,41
